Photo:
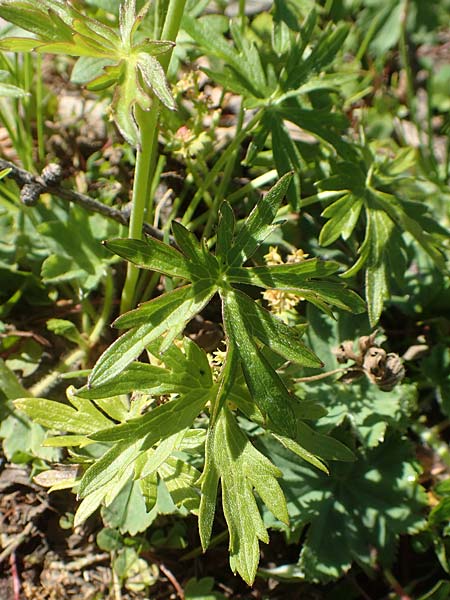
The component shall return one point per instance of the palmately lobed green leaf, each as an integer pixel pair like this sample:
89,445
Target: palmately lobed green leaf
360,506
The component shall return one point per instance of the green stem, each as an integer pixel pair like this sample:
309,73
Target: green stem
104,317
79,354
403,48
46,383
221,162
148,125
146,157
39,110
228,172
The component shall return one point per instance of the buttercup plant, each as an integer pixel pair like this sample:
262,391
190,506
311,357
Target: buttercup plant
159,427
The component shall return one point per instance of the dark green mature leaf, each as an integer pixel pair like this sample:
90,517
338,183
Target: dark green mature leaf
360,506
258,224
274,333
225,230
269,392
206,265
289,275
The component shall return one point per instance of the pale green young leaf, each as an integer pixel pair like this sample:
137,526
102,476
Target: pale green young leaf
127,512
170,316
152,459
155,78
343,215
117,461
137,436
84,418
162,421
88,506
180,478
126,94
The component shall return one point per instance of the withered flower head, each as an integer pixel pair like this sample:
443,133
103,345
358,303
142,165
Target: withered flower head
382,369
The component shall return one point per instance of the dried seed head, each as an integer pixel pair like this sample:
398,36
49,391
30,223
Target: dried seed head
382,369
394,372
344,352
29,194
52,174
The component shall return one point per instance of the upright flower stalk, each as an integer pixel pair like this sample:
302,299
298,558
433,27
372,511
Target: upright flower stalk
148,124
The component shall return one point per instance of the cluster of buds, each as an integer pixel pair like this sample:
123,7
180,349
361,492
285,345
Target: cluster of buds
282,302
383,369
